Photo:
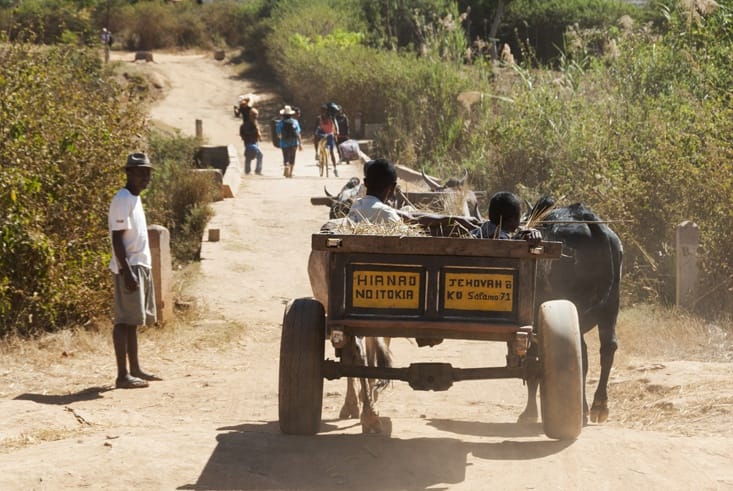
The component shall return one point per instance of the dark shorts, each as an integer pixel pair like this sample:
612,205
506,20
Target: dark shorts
135,308
289,155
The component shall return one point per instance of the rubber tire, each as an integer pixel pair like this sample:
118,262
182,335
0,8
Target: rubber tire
561,386
302,346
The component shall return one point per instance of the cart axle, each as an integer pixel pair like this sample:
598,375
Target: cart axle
421,376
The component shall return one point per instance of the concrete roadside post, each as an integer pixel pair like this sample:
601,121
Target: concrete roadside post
687,239
159,239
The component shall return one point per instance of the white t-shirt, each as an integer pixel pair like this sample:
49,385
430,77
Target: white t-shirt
371,209
126,213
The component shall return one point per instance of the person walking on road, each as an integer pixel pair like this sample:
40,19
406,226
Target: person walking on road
106,39
288,133
250,133
131,264
245,103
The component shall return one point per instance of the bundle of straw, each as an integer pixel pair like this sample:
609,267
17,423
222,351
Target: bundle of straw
539,213
347,227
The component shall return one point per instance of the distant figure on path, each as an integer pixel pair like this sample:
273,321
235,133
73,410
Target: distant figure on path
250,133
106,38
244,104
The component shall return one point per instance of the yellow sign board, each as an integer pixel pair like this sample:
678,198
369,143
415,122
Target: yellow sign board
479,291
386,289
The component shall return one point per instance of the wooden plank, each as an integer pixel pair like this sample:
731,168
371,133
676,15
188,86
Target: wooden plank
429,330
443,246
427,197
525,292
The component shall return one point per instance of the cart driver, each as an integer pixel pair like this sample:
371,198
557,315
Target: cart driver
380,179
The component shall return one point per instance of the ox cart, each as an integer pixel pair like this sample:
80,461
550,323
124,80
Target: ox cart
432,288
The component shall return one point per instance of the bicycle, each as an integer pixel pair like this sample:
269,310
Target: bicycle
322,156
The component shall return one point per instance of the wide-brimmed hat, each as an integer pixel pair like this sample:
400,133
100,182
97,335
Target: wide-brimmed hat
249,97
287,111
137,159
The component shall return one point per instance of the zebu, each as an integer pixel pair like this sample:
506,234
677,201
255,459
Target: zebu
341,203
367,351
454,188
588,274
450,198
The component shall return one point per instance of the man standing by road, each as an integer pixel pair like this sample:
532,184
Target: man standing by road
131,263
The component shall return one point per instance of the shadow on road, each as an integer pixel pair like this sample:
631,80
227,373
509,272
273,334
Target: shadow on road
258,456
88,394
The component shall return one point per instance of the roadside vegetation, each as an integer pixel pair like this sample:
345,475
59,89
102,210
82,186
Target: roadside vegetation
68,123
626,109
631,114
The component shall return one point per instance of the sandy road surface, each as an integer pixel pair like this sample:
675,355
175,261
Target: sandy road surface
212,423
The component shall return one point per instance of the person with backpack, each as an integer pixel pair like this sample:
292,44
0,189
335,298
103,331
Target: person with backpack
288,134
342,123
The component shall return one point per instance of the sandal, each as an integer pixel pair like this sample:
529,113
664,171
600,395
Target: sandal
147,376
130,382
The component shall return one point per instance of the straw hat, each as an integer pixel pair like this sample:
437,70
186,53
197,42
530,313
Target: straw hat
287,111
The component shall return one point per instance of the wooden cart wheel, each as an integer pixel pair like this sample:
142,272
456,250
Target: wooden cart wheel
301,356
561,387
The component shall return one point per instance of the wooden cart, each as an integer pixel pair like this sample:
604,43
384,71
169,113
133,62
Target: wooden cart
432,288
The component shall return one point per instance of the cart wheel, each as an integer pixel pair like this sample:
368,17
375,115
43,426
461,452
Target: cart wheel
561,388
301,356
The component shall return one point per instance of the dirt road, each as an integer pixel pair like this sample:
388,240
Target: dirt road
212,422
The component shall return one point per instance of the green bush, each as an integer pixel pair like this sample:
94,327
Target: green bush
179,198
414,97
157,25
63,137
136,25
65,133
542,25
405,24
47,21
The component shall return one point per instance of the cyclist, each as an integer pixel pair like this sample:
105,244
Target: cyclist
326,127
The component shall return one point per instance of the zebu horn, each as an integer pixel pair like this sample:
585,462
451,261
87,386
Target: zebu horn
434,185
